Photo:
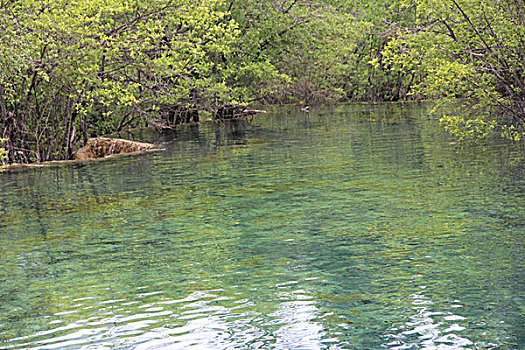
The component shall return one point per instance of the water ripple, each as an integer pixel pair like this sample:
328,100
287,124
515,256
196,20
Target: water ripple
341,232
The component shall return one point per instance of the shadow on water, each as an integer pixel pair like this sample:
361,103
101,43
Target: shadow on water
356,227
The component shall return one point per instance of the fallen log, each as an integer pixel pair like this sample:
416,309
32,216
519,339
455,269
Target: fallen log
249,112
101,147
235,111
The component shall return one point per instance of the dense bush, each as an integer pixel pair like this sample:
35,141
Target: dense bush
70,70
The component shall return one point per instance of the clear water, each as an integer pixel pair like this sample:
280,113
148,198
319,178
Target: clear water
361,227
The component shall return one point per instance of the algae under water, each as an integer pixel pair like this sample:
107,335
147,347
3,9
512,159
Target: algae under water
358,227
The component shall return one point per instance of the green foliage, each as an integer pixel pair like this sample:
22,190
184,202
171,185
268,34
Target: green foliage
70,70
3,154
465,128
472,49
291,51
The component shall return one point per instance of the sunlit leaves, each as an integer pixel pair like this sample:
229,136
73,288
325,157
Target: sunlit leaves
3,153
470,49
98,65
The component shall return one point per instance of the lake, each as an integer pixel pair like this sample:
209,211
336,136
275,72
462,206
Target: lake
355,227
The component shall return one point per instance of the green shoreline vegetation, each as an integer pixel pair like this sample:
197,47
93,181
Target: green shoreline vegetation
71,70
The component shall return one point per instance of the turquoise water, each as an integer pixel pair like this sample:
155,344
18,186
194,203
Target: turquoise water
360,227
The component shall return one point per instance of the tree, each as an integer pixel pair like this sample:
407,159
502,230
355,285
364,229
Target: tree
469,49
70,70
291,51
76,69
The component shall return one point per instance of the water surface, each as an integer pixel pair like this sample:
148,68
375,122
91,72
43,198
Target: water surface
359,227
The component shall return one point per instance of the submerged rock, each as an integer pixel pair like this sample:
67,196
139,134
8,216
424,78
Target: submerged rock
100,147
